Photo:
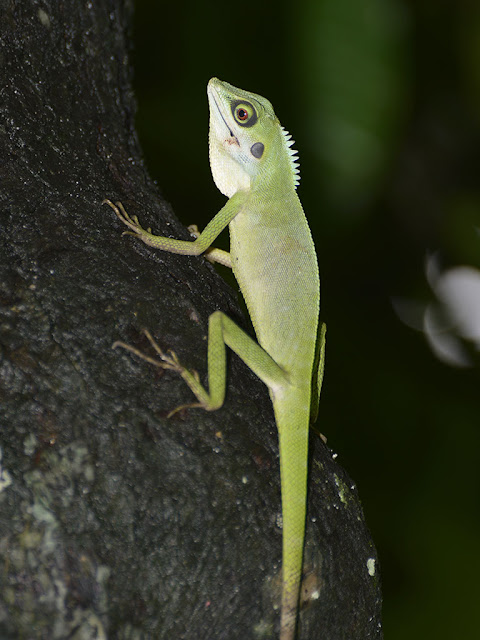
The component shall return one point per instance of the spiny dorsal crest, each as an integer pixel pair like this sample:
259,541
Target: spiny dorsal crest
293,155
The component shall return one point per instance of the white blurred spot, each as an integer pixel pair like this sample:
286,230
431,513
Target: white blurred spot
454,315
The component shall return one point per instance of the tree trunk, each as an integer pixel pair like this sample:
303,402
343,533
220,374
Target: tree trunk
116,522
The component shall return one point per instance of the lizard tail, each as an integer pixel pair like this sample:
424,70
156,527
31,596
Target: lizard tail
293,438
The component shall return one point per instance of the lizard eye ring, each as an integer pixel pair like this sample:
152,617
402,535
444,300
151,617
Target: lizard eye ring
244,113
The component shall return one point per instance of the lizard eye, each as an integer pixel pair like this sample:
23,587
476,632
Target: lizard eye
241,113
244,113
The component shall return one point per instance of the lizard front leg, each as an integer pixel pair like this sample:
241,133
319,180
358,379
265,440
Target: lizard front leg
202,241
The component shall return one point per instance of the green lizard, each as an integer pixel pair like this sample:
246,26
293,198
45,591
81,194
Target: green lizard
273,258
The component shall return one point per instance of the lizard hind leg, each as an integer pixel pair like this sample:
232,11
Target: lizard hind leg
222,331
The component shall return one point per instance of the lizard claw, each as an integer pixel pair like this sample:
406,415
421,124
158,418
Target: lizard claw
192,405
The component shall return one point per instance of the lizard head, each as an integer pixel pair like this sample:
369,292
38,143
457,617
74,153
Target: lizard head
246,141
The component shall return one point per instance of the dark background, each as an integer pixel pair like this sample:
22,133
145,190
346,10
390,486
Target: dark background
383,100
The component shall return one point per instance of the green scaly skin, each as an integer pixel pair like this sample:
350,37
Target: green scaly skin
273,258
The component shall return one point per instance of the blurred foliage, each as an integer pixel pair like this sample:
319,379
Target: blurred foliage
383,99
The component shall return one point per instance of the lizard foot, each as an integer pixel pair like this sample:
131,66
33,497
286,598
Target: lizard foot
131,221
167,360
193,229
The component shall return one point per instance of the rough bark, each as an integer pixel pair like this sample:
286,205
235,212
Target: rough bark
116,522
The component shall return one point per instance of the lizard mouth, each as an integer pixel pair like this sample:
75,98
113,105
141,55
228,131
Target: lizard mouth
233,137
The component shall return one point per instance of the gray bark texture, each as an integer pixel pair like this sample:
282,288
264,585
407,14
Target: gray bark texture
116,522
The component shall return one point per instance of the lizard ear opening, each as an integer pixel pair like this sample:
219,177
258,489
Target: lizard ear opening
257,149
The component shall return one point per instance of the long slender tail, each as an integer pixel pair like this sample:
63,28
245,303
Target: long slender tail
293,437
